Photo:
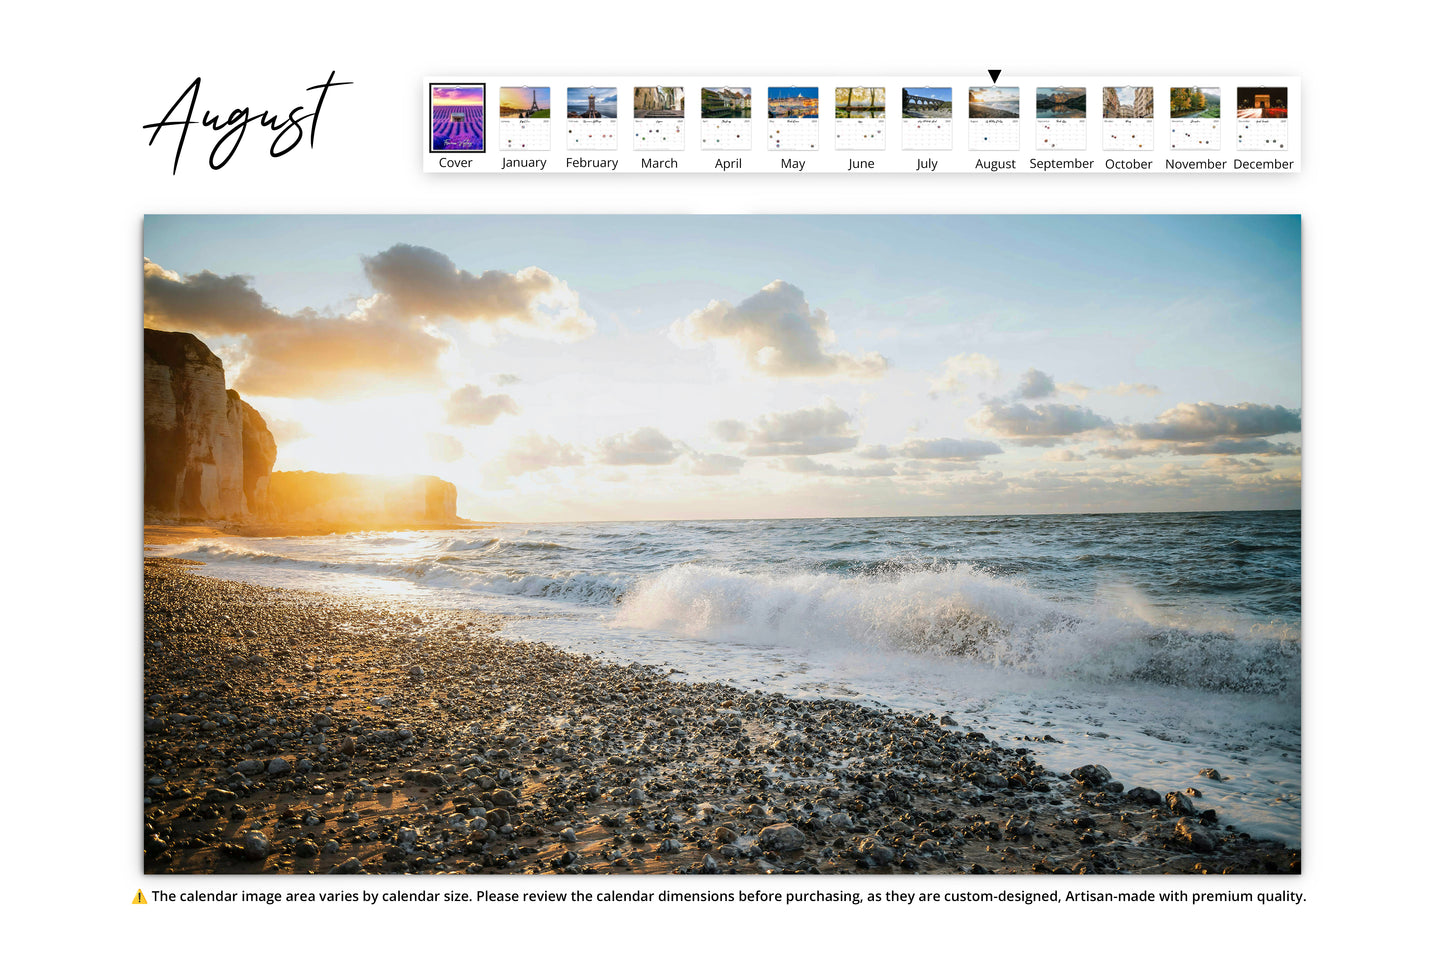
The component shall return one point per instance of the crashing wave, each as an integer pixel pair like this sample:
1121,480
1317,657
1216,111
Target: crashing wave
963,613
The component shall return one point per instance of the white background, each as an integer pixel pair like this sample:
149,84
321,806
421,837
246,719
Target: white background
79,84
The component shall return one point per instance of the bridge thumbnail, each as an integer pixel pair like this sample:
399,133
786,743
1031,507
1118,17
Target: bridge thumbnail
928,103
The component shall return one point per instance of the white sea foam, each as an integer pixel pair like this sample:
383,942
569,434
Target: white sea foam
952,611
961,612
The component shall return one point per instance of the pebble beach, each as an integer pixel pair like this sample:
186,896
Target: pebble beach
299,732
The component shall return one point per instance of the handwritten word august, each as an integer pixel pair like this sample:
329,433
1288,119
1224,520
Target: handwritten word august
290,129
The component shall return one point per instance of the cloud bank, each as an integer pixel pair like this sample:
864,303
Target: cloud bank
806,431
389,338
1038,425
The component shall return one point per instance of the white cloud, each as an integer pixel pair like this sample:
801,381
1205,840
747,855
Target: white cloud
645,446
1235,446
534,452
1204,421
777,334
468,407
1042,425
1205,428
1035,384
804,465
714,464
947,449
388,337
806,431
426,283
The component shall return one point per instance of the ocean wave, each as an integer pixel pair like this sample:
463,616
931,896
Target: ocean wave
439,572
961,612
995,612
491,545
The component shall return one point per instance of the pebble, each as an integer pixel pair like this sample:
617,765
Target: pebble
1180,803
1092,775
782,838
514,751
1145,797
877,851
1197,839
255,846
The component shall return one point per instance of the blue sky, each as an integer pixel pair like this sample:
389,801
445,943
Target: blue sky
1197,309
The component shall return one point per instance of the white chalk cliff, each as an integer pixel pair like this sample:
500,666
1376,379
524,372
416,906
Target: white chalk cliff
208,454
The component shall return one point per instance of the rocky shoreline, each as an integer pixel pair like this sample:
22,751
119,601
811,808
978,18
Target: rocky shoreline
299,732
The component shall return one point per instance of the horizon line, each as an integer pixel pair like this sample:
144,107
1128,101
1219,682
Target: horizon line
815,518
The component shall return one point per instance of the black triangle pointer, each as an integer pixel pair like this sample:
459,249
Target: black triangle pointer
994,74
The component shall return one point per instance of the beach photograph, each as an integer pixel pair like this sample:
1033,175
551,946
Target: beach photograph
681,544
990,103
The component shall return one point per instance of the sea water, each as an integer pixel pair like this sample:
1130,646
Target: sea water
1155,644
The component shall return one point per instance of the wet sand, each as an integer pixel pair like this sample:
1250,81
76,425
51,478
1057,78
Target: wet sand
301,732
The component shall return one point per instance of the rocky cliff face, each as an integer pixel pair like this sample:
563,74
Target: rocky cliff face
208,454
319,497
258,454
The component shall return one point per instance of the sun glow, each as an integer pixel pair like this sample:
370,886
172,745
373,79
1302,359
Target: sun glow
380,435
